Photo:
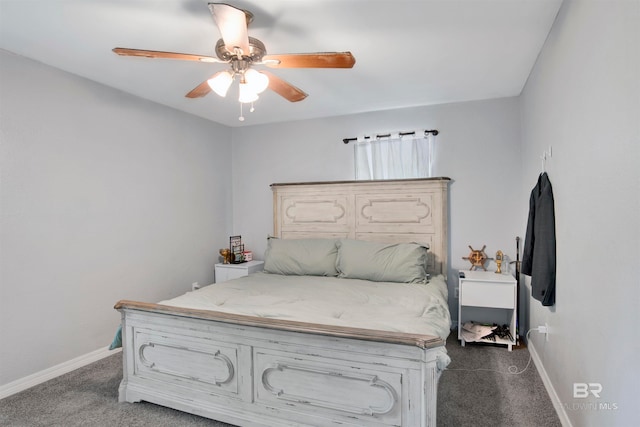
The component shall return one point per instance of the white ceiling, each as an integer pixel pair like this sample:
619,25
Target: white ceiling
408,52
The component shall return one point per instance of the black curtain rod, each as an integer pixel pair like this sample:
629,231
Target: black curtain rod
434,132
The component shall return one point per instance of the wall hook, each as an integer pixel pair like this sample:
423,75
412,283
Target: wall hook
545,155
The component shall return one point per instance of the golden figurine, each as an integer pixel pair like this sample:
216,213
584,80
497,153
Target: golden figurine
499,256
226,255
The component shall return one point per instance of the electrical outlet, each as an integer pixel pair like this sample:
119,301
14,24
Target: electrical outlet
546,326
456,293
544,330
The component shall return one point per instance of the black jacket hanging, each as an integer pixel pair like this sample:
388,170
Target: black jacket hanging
539,256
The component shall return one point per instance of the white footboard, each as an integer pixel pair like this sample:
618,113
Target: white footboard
252,375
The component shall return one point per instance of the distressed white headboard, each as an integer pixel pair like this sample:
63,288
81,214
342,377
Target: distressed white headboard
393,211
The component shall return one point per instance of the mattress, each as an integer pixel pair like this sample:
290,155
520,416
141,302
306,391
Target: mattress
398,307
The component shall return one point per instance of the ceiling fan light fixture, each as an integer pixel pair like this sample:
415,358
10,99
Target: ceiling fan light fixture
247,94
220,83
257,81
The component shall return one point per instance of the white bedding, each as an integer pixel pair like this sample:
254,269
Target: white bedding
400,307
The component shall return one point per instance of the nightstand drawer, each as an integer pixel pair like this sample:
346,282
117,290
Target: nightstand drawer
487,294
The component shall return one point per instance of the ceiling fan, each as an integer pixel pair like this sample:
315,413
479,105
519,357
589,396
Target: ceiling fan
242,52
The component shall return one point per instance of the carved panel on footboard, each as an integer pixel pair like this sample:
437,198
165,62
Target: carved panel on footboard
329,387
205,365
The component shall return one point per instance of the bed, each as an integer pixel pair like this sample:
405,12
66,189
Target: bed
300,345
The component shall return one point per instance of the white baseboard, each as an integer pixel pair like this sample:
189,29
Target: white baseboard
555,399
55,371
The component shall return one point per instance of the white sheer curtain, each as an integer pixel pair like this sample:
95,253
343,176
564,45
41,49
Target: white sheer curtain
394,157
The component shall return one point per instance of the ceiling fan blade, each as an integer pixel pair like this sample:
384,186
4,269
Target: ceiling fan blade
123,51
232,23
202,89
284,89
310,60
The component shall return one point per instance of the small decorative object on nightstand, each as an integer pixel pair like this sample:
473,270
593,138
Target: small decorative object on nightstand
486,298
477,258
226,255
226,272
237,248
499,256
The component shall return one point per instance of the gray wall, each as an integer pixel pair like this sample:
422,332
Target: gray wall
583,99
104,197
478,147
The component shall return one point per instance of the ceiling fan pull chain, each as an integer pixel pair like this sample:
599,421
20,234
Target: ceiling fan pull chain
241,118
252,109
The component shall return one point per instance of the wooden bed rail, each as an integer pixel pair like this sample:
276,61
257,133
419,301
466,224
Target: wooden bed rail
422,341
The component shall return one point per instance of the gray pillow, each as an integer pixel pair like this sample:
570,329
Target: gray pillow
301,257
382,262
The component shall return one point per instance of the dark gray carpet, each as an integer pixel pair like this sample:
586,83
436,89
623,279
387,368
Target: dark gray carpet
489,398
89,396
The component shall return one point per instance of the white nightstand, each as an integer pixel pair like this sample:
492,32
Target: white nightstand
487,297
226,272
